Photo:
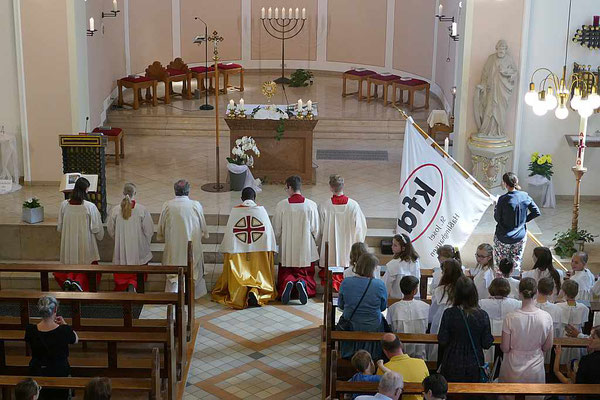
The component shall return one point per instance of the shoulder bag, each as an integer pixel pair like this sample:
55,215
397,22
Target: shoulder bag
484,369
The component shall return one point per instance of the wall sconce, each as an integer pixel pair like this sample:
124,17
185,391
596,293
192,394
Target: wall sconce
114,12
91,30
453,28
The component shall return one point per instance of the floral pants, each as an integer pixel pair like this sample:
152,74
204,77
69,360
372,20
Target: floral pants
512,251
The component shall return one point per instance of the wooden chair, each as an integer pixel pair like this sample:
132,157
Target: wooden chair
137,84
200,73
412,86
380,80
176,71
360,77
228,70
117,136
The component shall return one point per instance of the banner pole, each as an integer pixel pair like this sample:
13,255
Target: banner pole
467,175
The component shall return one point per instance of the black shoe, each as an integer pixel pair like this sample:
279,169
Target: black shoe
76,287
68,285
252,300
302,295
131,289
287,292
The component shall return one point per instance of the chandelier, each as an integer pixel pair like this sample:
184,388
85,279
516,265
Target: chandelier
555,92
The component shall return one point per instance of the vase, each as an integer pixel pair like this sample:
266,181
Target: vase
33,215
237,181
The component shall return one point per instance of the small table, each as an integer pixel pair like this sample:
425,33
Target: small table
354,75
137,84
590,141
412,86
115,135
383,80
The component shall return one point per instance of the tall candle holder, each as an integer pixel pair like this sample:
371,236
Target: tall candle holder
283,29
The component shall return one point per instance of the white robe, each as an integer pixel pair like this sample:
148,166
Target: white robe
482,278
409,317
348,272
132,236
439,304
576,316
296,226
80,227
341,225
240,237
557,322
497,309
585,279
396,269
182,220
514,287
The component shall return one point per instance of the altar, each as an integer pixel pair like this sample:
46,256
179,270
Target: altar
282,153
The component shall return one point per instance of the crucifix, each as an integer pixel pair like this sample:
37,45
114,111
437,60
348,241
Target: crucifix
218,186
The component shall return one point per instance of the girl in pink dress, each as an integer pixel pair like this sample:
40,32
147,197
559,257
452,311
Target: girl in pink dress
526,334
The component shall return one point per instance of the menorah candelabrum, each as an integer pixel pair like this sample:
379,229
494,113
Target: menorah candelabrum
283,27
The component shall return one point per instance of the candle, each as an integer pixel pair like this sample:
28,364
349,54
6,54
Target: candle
231,103
299,105
581,146
596,20
460,4
276,13
115,7
262,13
269,13
297,13
242,103
290,14
282,12
454,29
91,24
446,145
304,13
441,9
309,105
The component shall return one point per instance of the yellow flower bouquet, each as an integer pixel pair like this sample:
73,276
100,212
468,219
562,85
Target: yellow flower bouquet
541,164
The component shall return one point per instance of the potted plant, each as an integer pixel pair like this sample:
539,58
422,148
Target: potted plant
33,212
240,161
540,180
300,77
570,241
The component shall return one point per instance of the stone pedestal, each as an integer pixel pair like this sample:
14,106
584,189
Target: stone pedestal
489,157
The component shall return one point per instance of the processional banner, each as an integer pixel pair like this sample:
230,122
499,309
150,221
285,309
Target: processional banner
437,204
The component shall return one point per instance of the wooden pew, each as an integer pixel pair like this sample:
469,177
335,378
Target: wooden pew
92,270
519,390
150,384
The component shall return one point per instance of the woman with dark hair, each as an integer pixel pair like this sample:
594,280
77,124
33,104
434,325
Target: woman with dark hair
49,341
362,299
80,225
526,334
98,389
543,268
464,334
405,262
513,210
444,252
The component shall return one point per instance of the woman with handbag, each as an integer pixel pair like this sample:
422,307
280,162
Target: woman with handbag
527,334
362,299
464,333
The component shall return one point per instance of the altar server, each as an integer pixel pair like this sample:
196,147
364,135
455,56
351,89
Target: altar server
296,225
130,224
582,275
182,220
341,224
80,225
248,248
575,314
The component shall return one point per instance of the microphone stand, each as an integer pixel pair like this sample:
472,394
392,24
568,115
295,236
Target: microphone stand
206,106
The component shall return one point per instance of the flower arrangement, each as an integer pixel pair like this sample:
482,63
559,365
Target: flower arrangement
541,164
32,202
239,155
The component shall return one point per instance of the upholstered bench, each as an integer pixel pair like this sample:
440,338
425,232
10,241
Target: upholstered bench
115,135
360,76
137,84
412,86
229,69
384,80
199,73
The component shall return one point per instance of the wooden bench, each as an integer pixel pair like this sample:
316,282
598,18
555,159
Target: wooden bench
384,80
412,86
150,384
137,84
355,75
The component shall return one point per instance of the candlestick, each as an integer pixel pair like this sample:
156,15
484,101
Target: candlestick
304,13
115,7
441,10
262,13
269,13
283,14
91,24
446,145
309,105
581,146
299,105
454,29
297,13
242,103
290,14
231,103
276,13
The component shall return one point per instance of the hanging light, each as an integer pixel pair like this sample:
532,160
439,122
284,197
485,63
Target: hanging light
576,99
540,108
551,101
561,111
531,96
594,98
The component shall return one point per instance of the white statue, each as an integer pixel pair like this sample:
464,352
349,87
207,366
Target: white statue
494,91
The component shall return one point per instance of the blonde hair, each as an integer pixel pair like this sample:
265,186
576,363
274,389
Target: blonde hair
126,203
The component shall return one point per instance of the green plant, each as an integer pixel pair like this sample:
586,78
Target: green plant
33,202
299,77
541,165
565,241
280,129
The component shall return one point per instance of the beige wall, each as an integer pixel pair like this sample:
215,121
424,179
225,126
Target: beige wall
302,47
356,31
445,70
225,19
413,36
150,33
106,57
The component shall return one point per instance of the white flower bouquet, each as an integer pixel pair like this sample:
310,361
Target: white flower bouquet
239,153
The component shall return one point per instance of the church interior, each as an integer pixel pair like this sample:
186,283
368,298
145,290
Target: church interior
150,92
